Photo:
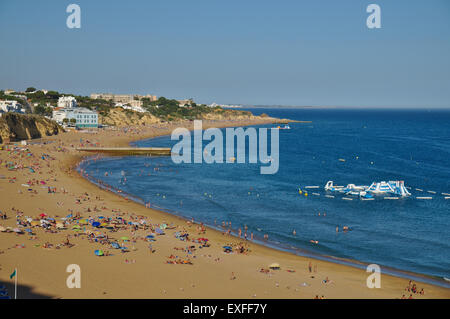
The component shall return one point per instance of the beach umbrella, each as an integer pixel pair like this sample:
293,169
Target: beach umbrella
95,224
115,245
75,227
98,252
2,229
42,215
17,230
83,221
29,230
35,223
159,231
124,238
150,236
274,266
59,225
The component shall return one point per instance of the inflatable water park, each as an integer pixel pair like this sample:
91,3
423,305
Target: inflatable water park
383,190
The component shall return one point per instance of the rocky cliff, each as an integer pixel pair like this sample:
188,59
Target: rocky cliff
121,117
16,127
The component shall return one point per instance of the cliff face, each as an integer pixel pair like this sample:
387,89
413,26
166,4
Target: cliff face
121,117
224,114
16,127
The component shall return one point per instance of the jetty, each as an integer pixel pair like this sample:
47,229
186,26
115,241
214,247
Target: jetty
124,151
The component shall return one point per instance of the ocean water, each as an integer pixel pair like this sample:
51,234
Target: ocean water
378,145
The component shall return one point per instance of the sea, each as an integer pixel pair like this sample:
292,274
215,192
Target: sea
408,235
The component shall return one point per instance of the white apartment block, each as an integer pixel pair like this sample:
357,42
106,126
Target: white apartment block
11,106
67,102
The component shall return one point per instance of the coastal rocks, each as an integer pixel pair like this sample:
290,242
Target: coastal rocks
16,127
224,114
121,117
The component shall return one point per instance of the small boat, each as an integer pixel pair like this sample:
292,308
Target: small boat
286,127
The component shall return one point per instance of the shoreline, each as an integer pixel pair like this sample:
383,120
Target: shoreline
47,278
424,278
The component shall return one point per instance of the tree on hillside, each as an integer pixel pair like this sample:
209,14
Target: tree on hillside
53,94
30,89
40,110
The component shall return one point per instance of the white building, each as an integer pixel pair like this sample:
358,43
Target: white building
11,106
67,102
83,116
135,108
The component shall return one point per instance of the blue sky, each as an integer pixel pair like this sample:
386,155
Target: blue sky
312,52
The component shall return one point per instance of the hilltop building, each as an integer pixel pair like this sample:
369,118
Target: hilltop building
11,106
131,99
186,102
83,116
67,102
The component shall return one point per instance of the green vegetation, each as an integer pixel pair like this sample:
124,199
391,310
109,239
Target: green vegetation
42,110
4,96
163,108
170,109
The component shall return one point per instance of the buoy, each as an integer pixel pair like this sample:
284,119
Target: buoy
342,160
306,194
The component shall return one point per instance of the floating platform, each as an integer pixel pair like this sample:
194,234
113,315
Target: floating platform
122,151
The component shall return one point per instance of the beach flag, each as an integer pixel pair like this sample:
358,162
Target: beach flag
14,275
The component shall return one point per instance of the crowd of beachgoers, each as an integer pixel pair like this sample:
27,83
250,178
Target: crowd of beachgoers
42,207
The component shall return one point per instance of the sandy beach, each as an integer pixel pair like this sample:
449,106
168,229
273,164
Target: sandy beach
40,178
